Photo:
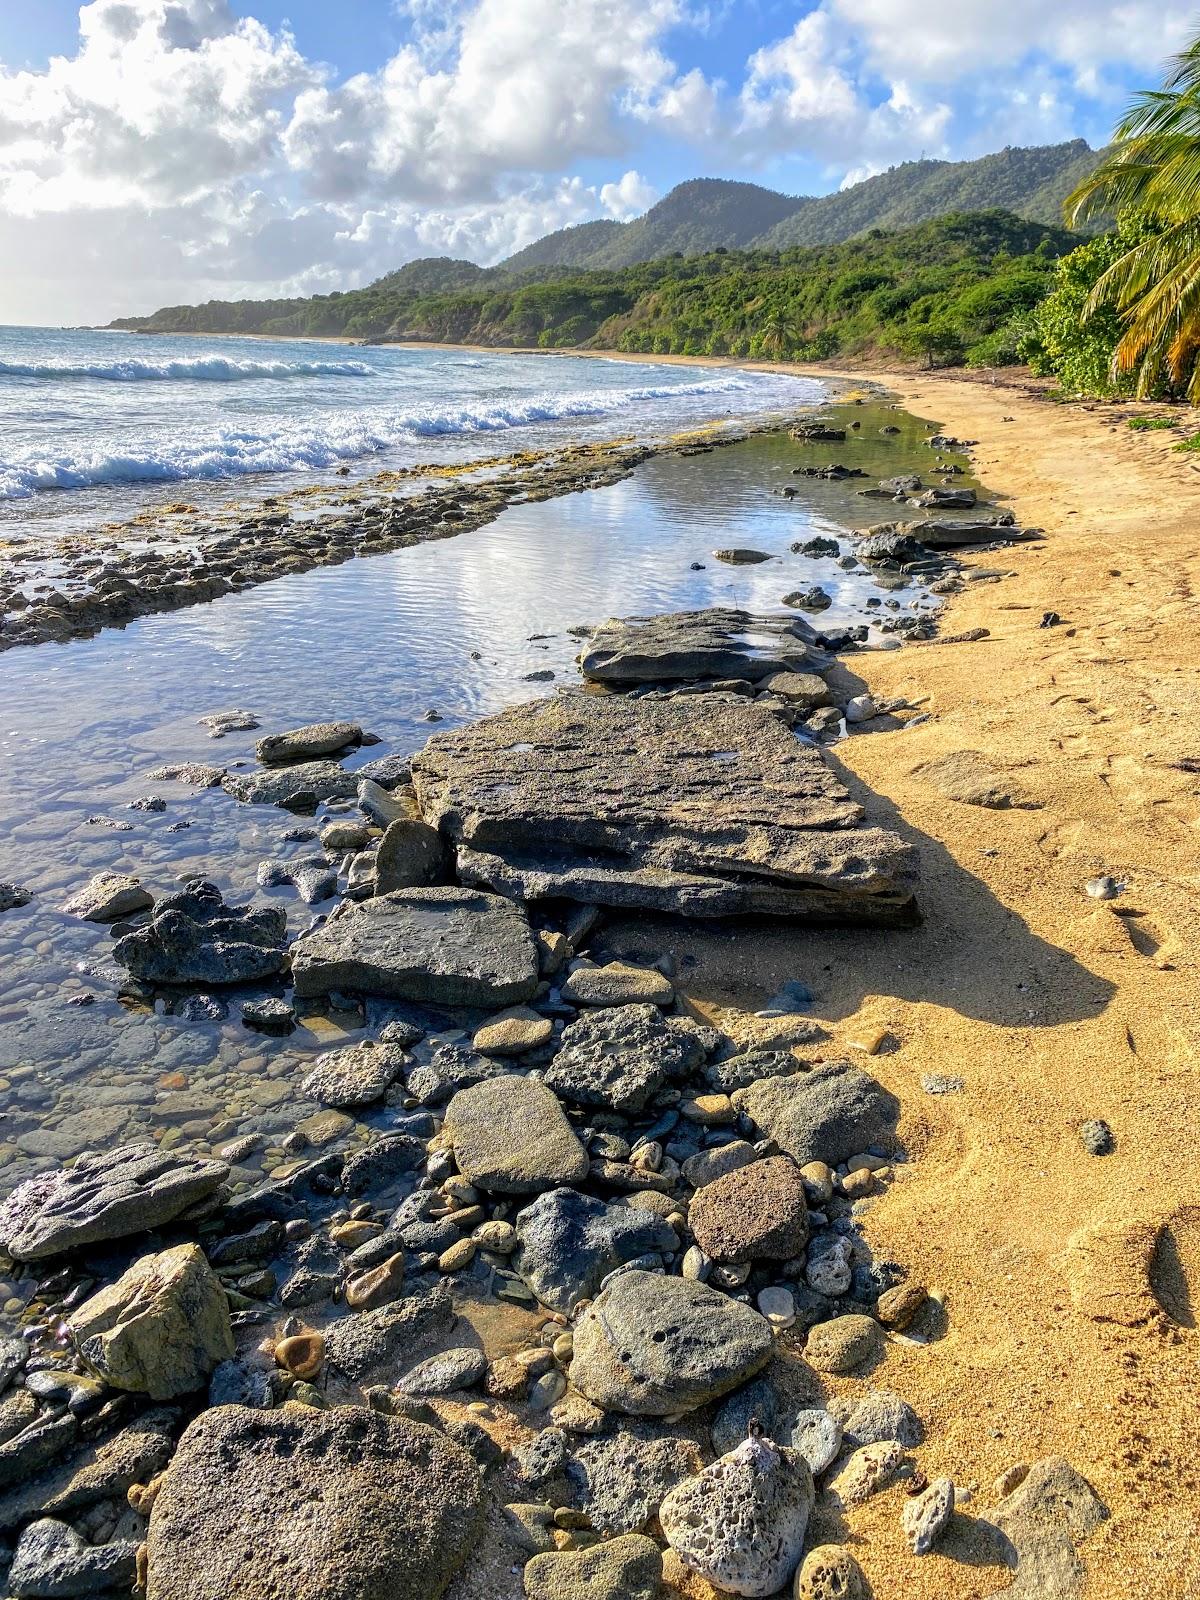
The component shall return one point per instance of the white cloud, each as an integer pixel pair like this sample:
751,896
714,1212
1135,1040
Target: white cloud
629,197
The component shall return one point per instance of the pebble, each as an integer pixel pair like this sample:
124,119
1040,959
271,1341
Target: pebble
778,1306
303,1354
830,1572
844,1343
897,1307
925,1516
1098,1138
377,1287
818,1437
458,1256
942,1083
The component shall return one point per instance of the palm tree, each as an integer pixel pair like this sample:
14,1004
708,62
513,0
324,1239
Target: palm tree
1153,171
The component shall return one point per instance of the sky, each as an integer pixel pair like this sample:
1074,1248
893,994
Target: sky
160,151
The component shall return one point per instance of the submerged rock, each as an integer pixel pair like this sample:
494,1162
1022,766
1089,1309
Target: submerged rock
311,876
699,805
159,1330
195,938
356,1506
356,1075
652,1346
303,744
445,946
509,1136
283,786
741,1523
102,1197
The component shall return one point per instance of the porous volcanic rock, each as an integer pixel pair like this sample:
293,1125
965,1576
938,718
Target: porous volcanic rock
356,1075
352,1506
701,805
652,1346
509,1136
446,946
619,1057
569,1242
755,1213
195,938
683,646
628,1568
101,1197
826,1114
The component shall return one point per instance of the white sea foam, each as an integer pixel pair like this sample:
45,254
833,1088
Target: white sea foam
321,442
191,369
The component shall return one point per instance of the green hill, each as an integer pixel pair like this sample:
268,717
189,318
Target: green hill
569,247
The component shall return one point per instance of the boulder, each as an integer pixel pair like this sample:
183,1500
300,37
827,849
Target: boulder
352,1506
195,938
53,1562
513,1032
618,985
313,781
356,1075
683,646
108,897
1043,1521
701,805
304,744
381,1342
629,1568
757,1212
160,1329
741,1523
568,1243
509,1136
101,1197
829,1113
650,1345
444,946
410,854
620,1057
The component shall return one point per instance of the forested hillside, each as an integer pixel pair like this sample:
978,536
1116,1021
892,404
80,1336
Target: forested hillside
948,290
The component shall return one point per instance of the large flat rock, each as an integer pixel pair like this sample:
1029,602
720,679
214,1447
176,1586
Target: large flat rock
453,947
683,646
702,805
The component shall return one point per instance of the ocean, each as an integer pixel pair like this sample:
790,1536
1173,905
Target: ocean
96,426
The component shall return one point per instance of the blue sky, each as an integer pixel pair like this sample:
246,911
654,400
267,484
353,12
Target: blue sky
153,151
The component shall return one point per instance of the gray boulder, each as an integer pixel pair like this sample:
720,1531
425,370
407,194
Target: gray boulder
356,1075
620,1479
195,938
509,1136
303,744
445,946
1043,1521
410,855
620,1057
312,877
102,1197
826,1114
683,646
653,1346
357,1506
53,1562
283,786
568,1243
382,1342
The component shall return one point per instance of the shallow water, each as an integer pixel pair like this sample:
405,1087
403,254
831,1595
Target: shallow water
455,626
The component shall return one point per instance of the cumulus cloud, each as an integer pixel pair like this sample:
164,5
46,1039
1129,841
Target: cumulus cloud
628,197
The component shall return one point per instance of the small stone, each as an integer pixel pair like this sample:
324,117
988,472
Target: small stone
269,1015
618,985
628,1568
443,1374
830,1572
547,1391
513,1032
897,1307
712,1110
458,1256
109,897
844,1344
303,1354
778,1306
817,1435
356,1075
861,708
498,1237
306,744
926,1515
510,1136
818,1182
857,1184
741,1523
1098,1138
708,1165
864,1472
377,1287
758,1212
942,1083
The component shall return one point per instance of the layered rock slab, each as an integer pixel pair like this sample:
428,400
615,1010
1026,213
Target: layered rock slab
683,646
301,1504
444,946
703,805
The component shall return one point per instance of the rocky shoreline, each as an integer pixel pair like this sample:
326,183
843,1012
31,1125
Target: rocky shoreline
587,1306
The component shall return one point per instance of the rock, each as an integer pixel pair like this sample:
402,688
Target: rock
13,896
102,1197
1097,1137
443,1374
356,1075
617,985
741,1523
195,938
926,1515
377,1343
35,1446
359,1506
509,1136
690,645
742,558
968,777
380,1285
739,1072
311,876
651,1345
447,946
828,1114
897,1307
629,1568
410,854
269,1015
876,1416
843,1344
451,1067
568,1243
803,691
619,1057
300,787
1044,1519
708,1165
863,1472
757,1212
160,1329
343,833
619,1480
304,744
388,1158
830,1572
513,1032
94,1473
817,1436
108,897
53,1561
861,708
303,1355
701,805
219,723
